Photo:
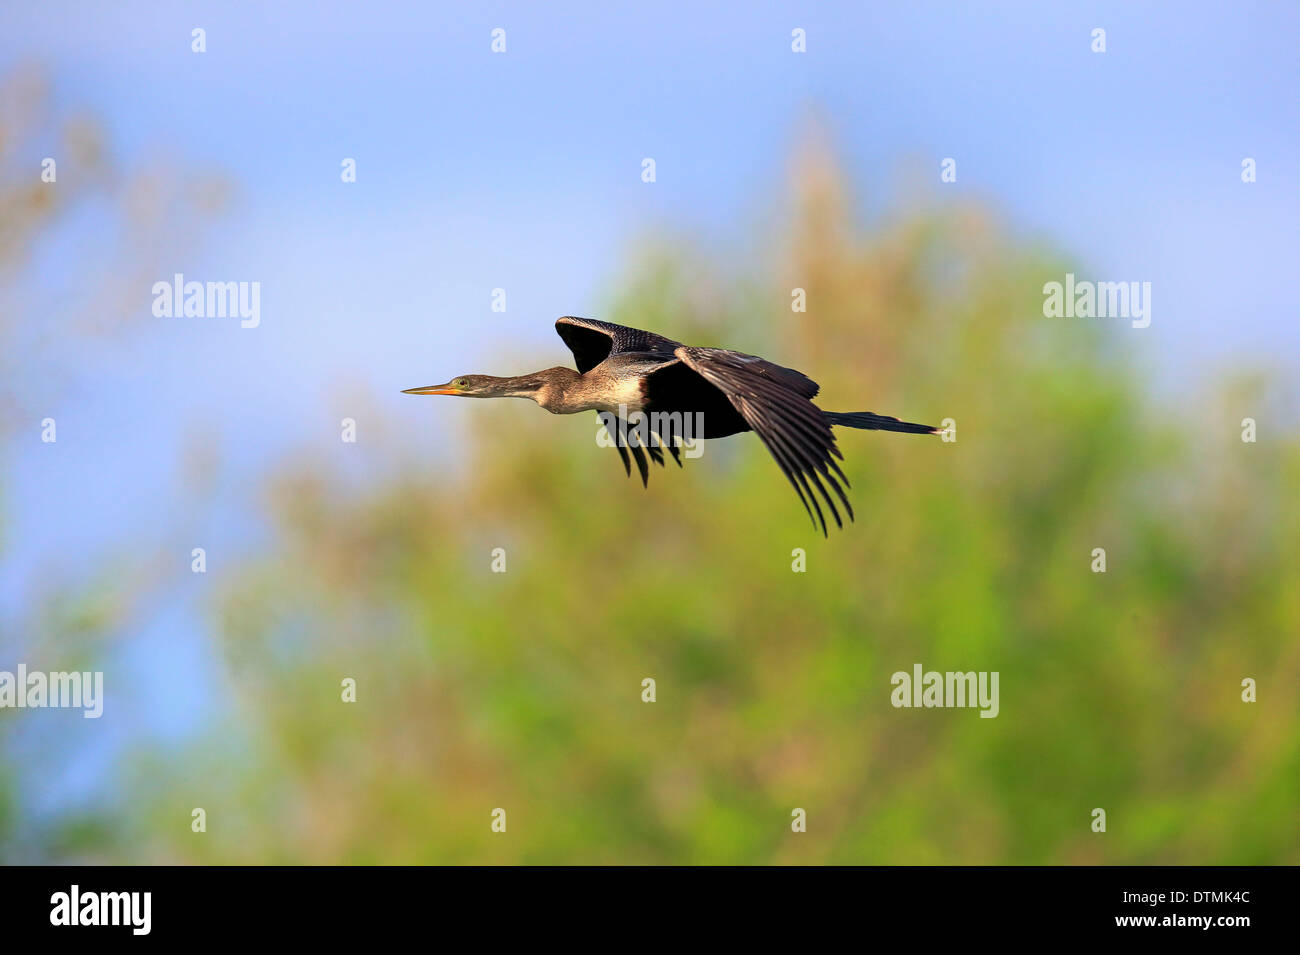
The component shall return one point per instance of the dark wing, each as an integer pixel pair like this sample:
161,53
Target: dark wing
776,403
592,342
627,438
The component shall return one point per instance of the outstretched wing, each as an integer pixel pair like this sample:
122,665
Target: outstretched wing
592,342
776,402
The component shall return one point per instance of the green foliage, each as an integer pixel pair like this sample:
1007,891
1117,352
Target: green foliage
522,689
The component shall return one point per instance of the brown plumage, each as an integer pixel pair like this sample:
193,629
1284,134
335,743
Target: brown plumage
625,373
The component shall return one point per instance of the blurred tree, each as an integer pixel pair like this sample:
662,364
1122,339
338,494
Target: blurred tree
522,690
56,173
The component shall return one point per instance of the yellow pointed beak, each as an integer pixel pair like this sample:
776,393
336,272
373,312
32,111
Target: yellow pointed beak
432,390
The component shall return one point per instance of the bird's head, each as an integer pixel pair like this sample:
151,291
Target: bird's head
487,386
467,386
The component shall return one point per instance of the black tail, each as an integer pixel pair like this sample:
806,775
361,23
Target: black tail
876,422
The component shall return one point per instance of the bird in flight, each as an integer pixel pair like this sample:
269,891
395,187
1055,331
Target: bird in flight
624,373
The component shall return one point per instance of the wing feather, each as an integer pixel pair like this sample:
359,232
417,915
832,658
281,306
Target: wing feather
628,439
592,341
776,404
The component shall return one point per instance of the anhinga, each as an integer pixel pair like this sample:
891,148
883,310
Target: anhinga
623,370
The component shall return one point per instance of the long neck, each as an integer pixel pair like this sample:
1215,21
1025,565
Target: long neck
547,387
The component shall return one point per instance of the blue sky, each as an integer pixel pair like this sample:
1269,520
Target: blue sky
522,171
